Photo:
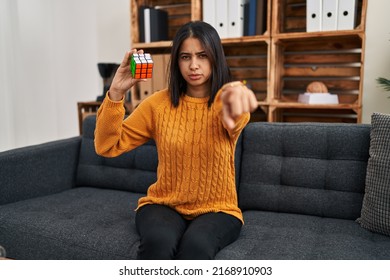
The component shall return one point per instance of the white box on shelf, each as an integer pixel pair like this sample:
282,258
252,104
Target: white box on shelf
313,15
318,98
221,18
209,13
329,15
346,18
236,17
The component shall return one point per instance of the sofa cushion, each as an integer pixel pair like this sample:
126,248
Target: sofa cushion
81,223
284,236
375,214
307,168
133,171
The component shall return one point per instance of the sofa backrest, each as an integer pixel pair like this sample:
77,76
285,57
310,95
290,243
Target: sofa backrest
133,171
306,168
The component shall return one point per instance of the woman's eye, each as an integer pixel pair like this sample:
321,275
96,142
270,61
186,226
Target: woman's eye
185,57
203,55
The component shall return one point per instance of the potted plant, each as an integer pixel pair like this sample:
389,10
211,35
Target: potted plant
384,83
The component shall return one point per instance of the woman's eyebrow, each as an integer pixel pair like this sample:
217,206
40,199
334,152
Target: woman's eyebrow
197,53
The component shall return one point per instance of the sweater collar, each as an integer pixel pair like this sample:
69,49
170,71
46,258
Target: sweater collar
198,100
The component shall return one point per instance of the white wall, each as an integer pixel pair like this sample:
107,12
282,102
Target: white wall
49,50
377,58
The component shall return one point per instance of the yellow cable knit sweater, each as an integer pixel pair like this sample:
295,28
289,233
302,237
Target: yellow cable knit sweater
195,173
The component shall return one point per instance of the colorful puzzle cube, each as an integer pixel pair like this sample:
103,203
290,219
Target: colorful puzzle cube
141,66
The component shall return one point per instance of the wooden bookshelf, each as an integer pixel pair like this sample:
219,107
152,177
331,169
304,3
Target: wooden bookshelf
281,62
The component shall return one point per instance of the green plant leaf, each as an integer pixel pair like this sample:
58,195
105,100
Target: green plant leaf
384,83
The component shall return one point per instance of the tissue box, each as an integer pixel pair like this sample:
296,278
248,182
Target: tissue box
318,98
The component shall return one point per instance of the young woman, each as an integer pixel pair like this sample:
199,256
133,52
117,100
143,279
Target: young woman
191,211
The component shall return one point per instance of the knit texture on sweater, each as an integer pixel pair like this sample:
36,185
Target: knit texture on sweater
196,173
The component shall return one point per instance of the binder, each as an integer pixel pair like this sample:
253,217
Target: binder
145,89
261,17
209,12
313,15
347,10
246,19
236,17
159,80
141,23
158,25
251,17
221,17
329,14
147,25
153,24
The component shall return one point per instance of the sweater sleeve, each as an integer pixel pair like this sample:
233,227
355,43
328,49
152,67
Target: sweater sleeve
115,135
240,123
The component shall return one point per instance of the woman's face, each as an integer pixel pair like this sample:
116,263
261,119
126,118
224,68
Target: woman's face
195,66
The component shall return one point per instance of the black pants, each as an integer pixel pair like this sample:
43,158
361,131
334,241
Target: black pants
165,234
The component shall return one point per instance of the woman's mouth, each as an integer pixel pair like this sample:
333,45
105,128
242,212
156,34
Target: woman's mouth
195,77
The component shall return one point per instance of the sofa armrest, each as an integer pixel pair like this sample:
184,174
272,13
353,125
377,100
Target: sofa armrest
38,170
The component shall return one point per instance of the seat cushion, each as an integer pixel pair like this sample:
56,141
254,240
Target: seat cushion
81,223
283,236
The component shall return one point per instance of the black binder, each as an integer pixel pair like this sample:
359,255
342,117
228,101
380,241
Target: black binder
153,24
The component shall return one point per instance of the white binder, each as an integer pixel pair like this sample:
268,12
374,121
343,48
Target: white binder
221,17
313,15
329,14
236,18
209,12
347,10
147,25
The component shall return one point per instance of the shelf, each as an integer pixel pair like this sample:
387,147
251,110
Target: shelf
289,114
245,40
298,105
319,35
334,58
154,47
165,46
290,16
279,64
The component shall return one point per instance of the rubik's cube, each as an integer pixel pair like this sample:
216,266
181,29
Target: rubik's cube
141,66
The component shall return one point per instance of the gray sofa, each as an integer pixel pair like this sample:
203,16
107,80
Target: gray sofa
300,186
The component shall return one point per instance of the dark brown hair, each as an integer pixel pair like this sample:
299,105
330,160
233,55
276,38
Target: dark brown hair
211,43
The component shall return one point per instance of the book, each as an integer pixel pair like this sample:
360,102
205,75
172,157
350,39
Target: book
255,17
252,17
261,17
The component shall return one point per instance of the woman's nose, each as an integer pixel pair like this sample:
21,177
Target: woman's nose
194,64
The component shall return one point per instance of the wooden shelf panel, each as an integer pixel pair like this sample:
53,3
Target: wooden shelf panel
249,61
319,35
162,47
297,105
335,60
313,114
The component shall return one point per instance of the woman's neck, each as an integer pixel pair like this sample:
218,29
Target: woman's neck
198,91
